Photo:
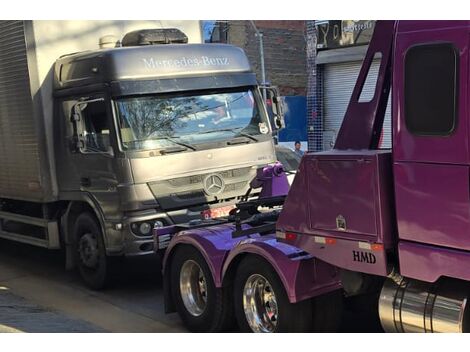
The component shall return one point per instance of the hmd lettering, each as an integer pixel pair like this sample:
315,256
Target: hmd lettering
364,257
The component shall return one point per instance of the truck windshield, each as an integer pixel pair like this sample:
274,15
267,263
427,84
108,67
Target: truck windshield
154,122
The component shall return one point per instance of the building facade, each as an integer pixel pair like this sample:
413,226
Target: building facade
283,50
340,49
315,64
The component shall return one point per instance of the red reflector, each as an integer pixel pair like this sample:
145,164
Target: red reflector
377,247
291,236
330,240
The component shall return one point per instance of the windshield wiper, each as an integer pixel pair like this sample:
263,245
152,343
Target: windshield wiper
186,145
234,130
175,149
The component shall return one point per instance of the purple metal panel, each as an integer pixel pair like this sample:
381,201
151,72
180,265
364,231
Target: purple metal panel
294,215
356,185
361,256
408,147
341,186
415,26
429,263
362,124
431,172
303,276
433,204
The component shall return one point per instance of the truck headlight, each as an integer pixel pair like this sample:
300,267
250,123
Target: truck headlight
158,224
145,228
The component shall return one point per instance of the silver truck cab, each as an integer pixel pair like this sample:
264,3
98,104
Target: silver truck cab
154,135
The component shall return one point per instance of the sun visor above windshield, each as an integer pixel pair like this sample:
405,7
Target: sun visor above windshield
150,62
170,85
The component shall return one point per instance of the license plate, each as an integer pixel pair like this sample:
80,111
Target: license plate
216,212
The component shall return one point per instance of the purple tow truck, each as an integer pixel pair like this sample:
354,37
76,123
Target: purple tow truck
357,220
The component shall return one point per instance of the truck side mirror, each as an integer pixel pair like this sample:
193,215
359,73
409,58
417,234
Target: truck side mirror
76,144
279,112
277,108
75,117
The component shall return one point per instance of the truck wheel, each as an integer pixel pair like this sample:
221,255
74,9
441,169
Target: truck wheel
261,303
201,306
90,251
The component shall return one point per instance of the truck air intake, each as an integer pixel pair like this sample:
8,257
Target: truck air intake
154,36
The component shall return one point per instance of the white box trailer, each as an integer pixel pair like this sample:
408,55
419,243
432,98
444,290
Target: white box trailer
28,50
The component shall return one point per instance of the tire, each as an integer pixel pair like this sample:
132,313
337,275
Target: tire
290,317
212,315
90,253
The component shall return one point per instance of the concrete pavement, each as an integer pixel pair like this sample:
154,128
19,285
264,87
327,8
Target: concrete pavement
20,315
34,280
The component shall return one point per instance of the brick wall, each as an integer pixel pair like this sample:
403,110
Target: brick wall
284,52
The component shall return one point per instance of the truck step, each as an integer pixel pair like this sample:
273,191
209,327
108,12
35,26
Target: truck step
51,230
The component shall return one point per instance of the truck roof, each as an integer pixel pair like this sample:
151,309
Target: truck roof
417,26
147,62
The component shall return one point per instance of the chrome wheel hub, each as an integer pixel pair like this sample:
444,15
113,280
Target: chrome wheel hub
88,250
193,288
259,304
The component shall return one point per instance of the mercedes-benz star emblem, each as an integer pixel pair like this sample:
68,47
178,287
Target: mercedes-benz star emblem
214,184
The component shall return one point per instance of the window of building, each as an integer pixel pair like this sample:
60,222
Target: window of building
431,73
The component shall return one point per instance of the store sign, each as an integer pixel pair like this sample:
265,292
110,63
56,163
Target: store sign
336,34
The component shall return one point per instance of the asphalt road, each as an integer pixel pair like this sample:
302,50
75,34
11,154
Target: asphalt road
36,278
38,295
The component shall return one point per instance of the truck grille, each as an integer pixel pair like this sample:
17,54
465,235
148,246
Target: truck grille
183,192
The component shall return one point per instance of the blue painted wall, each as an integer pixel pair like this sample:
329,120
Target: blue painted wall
295,116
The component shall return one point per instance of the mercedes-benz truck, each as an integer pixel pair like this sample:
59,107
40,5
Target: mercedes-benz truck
99,144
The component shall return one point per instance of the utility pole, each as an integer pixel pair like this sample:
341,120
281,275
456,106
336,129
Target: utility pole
261,55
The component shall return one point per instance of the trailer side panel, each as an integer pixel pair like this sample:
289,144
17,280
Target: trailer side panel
20,164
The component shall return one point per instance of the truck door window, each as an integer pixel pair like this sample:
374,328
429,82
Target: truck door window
95,129
431,72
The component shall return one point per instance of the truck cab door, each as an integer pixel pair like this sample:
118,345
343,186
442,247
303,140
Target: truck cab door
430,146
91,149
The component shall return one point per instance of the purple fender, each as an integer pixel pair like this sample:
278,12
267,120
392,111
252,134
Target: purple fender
302,275
212,242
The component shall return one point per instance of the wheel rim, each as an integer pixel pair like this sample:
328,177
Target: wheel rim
88,250
193,288
259,304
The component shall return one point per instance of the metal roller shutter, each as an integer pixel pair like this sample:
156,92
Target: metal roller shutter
339,81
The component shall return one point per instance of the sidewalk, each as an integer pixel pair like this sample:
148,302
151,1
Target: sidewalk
19,315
